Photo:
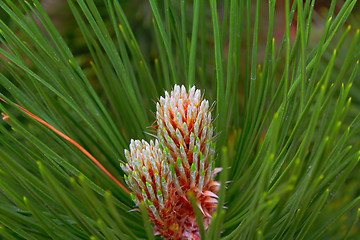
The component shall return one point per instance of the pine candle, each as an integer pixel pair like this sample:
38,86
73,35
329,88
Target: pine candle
180,161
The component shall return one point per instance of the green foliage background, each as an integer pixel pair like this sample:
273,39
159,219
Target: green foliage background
288,130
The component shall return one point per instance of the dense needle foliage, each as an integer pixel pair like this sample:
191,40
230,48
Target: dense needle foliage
286,129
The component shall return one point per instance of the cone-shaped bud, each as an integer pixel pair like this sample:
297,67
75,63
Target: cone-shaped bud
149,177
185,130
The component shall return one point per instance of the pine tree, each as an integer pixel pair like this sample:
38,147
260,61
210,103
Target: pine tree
284,127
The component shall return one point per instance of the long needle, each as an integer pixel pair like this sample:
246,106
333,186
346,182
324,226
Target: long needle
67,138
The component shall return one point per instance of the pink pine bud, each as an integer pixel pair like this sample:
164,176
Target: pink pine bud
163,176
185,131
150,179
